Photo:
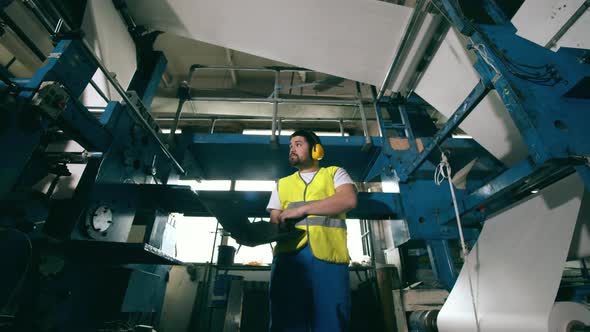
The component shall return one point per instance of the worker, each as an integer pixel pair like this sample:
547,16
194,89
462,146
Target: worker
309,287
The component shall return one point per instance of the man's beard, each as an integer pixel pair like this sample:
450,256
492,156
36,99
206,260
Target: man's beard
295,161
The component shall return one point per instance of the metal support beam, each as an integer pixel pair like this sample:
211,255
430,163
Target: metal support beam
409,37
230,62
408,127
475,96
496,13
99,91
359,96
333,102
131,106
196,67
275,110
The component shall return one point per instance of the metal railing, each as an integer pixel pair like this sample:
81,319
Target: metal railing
275,98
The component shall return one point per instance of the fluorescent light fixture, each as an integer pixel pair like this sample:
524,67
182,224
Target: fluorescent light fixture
250,185
534,191
266,132
462,136
207,185
287,132
167,131
329,133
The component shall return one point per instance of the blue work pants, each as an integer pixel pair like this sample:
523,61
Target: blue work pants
308,294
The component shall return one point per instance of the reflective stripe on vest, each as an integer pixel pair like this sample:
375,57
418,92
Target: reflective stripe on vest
322,221
318,220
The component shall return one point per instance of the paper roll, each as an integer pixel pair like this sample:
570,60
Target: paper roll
517,264
565,315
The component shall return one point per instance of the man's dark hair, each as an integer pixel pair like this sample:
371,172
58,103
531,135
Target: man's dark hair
310,137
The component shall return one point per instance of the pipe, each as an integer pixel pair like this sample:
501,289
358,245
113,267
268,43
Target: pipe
99,91
7,66
280,126
57,13
213,125
275,109
261,120
327,102
359,96
412,30
195,67
382,133
232,72
58,26
176,121
183,96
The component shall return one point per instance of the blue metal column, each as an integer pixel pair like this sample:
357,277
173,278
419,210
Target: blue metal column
146,79
496,12
441,260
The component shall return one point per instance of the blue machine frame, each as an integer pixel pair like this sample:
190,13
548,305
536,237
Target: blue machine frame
547,95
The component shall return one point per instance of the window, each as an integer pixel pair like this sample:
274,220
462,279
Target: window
207,185
259,255
355,244
247,185
194,239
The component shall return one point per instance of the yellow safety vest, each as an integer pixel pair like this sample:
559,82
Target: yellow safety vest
326,234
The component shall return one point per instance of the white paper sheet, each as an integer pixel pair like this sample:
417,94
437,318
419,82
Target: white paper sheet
517,264
349,38
539,20
108,35
450,77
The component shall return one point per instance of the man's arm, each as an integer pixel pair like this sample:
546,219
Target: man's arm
274,216
274,206
342,201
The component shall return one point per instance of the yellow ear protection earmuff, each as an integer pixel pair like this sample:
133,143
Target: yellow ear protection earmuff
317,151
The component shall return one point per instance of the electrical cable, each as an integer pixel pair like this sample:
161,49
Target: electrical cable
439,177
548,77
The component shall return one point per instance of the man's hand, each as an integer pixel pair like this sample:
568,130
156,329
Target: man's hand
293,213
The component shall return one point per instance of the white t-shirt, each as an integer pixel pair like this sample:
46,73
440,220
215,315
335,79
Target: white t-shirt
340,177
